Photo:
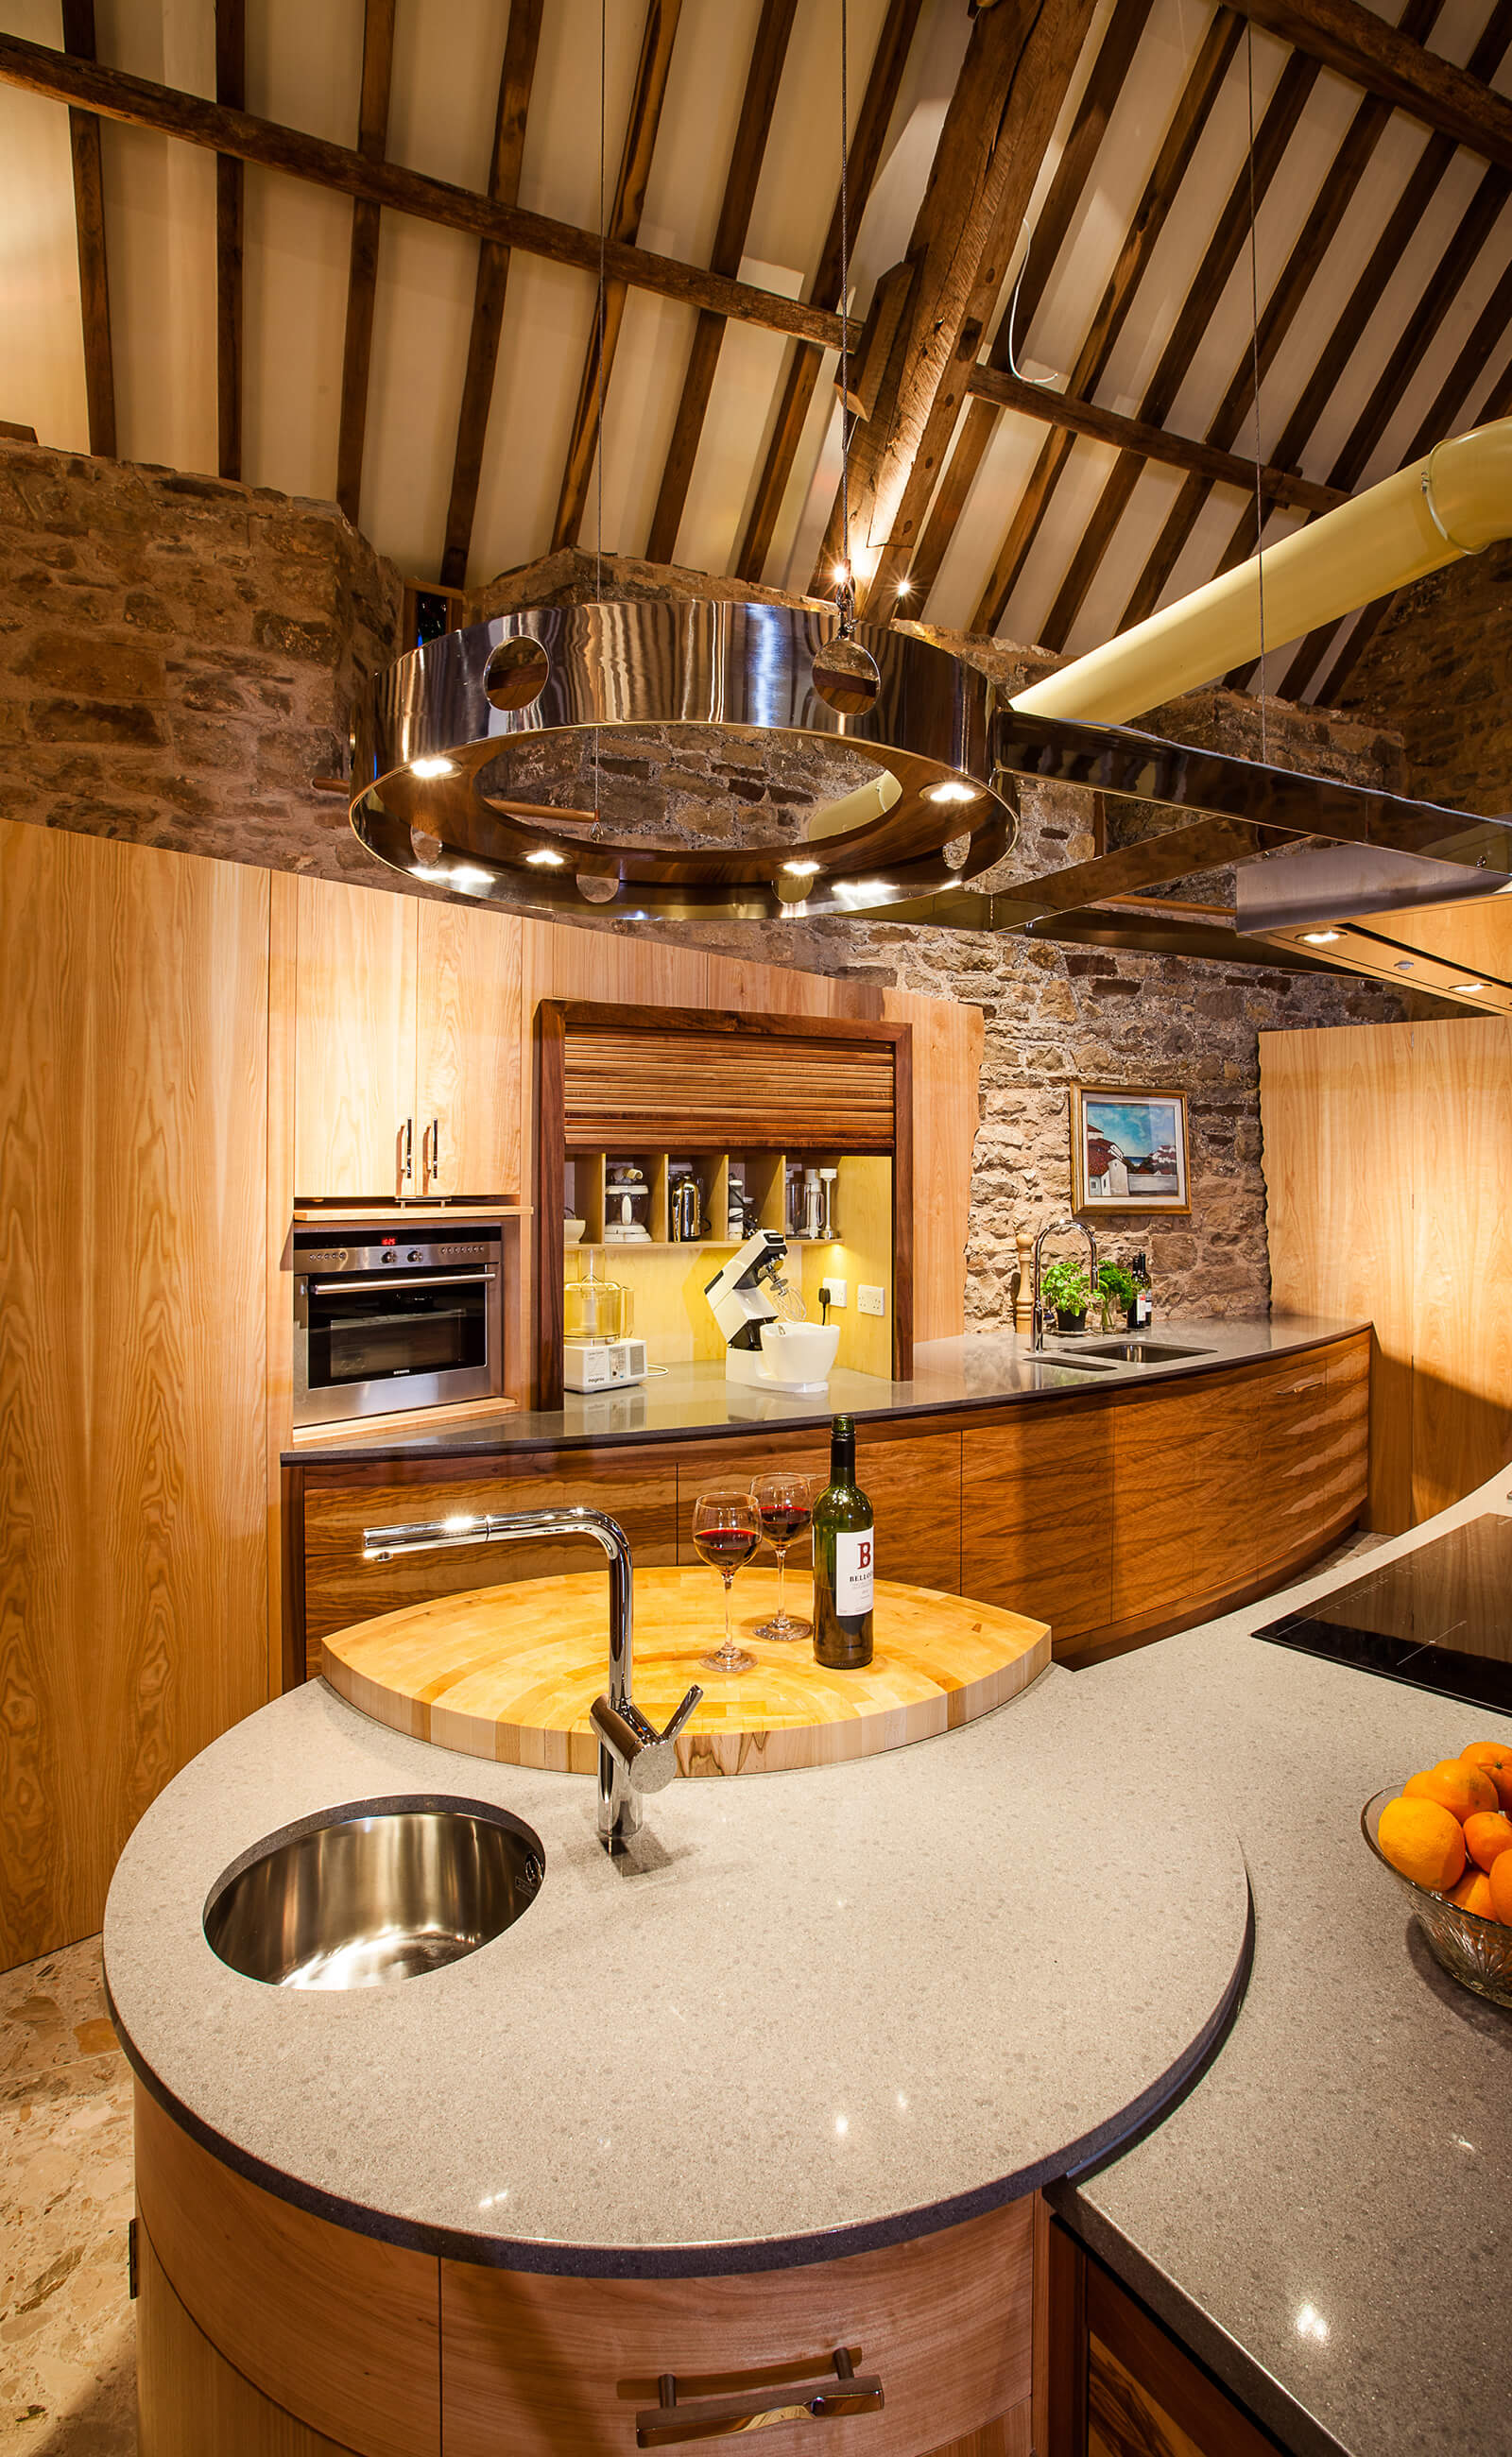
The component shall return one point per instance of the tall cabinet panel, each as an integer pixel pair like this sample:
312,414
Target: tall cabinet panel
354,1062
132,1141
1461,1417
467,1052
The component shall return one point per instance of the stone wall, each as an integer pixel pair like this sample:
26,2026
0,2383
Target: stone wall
180,661
179,656
1440,670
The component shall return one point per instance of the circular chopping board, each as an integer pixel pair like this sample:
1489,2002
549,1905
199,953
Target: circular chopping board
510,1672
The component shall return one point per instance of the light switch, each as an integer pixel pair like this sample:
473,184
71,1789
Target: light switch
871,1300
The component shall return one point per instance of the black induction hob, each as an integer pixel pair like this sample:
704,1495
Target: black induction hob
1439,1618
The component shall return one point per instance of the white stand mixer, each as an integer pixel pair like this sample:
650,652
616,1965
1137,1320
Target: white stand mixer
767,1342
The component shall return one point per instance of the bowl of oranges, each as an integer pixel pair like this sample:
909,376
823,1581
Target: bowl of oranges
1446,1835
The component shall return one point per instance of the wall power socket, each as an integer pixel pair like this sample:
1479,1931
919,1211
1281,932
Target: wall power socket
871,1300
832,1292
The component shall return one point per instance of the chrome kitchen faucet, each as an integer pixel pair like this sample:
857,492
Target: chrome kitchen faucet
1058,1229
634,1758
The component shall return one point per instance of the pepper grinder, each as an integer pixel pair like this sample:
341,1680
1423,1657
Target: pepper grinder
1024,1302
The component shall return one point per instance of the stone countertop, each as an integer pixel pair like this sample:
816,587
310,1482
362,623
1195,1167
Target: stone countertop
981,1370
813,2012
1323,2218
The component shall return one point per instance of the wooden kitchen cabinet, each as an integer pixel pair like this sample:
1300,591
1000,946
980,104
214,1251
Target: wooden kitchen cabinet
1037,1516
406,1047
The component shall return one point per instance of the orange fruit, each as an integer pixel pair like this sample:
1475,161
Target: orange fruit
1473,1893
1499,1881
1495,1758
1421,1839
1458,1787
1487,1834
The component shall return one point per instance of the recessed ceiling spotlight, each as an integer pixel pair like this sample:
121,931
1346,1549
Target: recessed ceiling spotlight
801,869
953,789
432,765
903,587
544,859
1469,989
1321,937
1404,964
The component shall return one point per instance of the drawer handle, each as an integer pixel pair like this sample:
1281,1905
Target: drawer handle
721,2418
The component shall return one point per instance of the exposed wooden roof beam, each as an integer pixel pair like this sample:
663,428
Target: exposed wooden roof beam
1277,129
768,53
136,101
89,214
1018,64
1386,60
517,74
362,279
1103,88
1347,326
866,149
1161,190
1339,183
231,88
657,36
1144,441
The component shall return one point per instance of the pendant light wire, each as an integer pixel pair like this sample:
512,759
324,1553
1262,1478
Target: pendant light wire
845,591
1254,376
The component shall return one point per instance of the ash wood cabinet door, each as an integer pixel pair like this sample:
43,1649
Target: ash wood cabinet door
551,2367
354,1057
467,1052
1036,1518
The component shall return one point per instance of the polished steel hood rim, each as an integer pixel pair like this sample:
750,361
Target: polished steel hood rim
748,668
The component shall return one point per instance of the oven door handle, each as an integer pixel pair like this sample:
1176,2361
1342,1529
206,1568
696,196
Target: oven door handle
354,1286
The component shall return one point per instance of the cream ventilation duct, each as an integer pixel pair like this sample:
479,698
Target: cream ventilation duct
1455,502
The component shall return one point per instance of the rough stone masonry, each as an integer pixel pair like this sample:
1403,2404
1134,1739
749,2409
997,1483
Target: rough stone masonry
181,655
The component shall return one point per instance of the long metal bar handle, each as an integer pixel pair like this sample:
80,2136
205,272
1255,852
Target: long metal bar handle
407,1153
352,1286
431,1154
721,2418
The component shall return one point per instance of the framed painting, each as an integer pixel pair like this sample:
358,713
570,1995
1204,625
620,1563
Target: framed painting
1129,1149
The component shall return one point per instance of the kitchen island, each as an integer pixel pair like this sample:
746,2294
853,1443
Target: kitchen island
702,2068
1114,1500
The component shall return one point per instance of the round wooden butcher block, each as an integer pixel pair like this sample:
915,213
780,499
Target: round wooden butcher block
510,1672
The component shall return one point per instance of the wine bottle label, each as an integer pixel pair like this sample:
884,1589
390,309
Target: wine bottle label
853,1572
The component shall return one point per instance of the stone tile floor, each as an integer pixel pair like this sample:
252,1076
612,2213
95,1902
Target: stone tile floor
68,2385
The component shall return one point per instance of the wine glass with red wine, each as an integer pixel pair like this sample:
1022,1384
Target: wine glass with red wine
786,1504
727,1533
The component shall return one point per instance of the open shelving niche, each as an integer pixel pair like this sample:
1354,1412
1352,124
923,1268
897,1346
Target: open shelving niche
668,1277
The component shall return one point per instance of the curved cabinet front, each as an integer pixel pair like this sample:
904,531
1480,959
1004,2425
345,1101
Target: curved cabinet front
296,2338
1116,1515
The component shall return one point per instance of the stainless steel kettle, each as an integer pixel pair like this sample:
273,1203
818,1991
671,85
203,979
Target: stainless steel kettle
687,1210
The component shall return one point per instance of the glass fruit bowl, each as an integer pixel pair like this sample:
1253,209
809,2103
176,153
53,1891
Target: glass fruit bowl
1476,1951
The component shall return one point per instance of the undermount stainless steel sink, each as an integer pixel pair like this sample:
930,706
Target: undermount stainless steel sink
1143,1352
1076,1364
374,1894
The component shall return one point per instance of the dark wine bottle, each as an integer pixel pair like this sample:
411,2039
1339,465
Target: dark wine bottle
844,1559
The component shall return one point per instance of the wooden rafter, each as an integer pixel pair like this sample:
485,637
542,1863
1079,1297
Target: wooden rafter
1018,63
231,88
865,151
768,53
113,94
521,41
1143,442
1158,201
1339,186
659,33
1103,88
362,280
1347,324
1384,60
1277,129
88,214
1498,402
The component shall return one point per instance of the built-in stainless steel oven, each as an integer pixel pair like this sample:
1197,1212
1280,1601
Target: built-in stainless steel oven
398,1321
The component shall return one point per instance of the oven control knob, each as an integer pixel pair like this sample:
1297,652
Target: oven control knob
413,1255
389,1255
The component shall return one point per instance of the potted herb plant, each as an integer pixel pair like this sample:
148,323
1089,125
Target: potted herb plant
1066,1286
1115,1289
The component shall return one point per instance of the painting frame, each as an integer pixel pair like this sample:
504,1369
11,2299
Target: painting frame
1151,1149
